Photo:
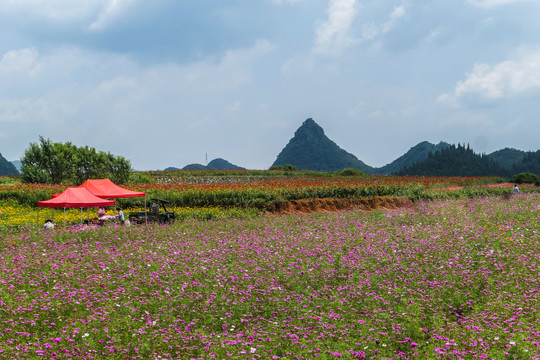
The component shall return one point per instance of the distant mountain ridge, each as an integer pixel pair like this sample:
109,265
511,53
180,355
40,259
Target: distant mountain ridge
415,154
6,167
311,149
456,161
17,164
507,157
216,164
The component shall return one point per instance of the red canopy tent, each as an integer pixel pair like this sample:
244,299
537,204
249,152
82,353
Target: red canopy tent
75,197
105,188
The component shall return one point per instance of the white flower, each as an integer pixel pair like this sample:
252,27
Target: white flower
252,350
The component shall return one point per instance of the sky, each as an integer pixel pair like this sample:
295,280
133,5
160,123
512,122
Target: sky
167,83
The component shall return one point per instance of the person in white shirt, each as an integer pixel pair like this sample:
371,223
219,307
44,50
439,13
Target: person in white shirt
121,216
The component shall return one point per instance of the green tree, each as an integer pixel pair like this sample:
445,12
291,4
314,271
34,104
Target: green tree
118,168
34,166
56,163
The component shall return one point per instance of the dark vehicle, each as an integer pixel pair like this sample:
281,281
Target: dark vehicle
154,214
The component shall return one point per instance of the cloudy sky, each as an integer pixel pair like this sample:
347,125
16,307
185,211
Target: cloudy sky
165,82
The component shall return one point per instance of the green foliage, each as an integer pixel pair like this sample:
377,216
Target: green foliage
32,174
287,167
4,180
526,178
57,163
350,172
455,161
138,177
529,163
507,157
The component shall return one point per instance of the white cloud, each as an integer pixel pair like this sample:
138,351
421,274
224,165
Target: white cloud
493,82
494,3
333,35
58,10
23,60
110,12
397,13
372,31
433,35
99,13
76,91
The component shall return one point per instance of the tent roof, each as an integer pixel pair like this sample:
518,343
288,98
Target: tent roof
75,197
105,188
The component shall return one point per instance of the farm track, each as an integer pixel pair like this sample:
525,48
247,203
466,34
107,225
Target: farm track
316,205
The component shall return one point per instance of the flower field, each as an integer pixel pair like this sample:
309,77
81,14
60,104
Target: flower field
442,279
15,215
262,192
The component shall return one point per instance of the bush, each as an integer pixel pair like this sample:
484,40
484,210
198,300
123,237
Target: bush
350,172
287,167
526,178
140,178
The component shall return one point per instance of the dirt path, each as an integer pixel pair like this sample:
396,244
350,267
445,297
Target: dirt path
314,205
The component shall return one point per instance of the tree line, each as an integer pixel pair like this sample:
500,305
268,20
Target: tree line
455,160
50,162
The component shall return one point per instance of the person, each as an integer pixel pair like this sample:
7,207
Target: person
101,212
48,224
121,216
516,189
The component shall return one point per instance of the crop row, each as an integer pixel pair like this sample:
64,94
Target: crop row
263,193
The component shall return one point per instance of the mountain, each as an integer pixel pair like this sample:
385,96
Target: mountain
415,154
529,163
6,167
311,149
216,164
456,161
194,167
221,164
17,164
507,157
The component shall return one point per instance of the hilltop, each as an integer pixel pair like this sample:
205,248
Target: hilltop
311,149
216,164
415,154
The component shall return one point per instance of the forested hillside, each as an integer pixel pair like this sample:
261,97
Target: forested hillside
456,161
7,168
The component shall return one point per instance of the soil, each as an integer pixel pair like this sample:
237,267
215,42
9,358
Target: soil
321,205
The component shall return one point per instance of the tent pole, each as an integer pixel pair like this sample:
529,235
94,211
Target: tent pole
64,217
81,216
37,220
145,214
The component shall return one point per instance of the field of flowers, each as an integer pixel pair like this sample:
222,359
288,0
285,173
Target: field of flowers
443,279
15,215
264,191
